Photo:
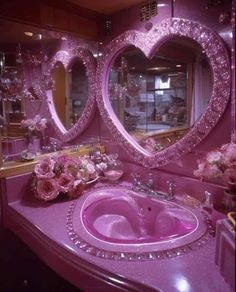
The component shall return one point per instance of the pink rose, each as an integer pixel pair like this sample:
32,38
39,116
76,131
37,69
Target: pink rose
46,189
90,167
41,125
44,168
229,179
60,159
77,189
207,170
87,169
65,182
71,166
229,154
214,157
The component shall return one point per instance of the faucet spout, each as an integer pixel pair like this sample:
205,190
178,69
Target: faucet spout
146,186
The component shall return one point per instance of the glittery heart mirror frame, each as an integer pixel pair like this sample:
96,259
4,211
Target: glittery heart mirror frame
66,58
149,43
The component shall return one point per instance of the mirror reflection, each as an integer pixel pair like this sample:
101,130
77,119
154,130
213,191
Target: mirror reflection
26,53
70,91
158,100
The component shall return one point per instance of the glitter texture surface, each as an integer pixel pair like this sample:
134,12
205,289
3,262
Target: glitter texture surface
67,58
148,43
140,252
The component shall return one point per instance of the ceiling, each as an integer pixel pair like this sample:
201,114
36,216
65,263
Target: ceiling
13,32
107,7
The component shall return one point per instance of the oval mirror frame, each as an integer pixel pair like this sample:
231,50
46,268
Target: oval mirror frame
67,57
148,43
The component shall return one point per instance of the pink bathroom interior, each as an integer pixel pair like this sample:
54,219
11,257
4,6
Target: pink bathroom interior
152,82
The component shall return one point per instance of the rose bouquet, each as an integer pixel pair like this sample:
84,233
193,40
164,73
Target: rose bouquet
220,163
60,174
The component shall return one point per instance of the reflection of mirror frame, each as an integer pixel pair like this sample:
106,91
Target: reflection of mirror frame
67,58
149,43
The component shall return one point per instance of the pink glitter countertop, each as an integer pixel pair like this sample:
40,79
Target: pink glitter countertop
43,225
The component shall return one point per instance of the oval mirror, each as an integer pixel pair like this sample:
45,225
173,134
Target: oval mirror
71,100
165,90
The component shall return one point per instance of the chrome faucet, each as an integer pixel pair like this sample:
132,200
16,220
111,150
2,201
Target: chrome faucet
137,184
171,189
144,186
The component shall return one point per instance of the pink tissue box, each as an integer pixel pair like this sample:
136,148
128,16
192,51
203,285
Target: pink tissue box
225,251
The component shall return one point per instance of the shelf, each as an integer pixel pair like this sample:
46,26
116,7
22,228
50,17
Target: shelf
13,168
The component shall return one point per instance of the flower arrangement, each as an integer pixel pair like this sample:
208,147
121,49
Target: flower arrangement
35,125
220,163
60,174
102,161
151,145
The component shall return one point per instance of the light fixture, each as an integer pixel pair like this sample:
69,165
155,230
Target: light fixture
28,33
157,68
38,36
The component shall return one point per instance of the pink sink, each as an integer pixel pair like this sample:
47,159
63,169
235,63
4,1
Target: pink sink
128,218
119,219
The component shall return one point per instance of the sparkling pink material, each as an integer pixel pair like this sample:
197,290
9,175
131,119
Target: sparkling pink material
66,58
43,226
149,43
122,224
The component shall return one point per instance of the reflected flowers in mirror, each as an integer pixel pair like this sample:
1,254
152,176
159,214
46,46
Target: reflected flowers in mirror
220,163
35,126
61,175
151,145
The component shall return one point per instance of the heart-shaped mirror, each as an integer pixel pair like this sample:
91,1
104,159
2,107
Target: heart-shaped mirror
162,92
71,100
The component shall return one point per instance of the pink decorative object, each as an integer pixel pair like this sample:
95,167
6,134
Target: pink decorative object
61,174
113,174
108,165
36,130
35,125
34,145
149,42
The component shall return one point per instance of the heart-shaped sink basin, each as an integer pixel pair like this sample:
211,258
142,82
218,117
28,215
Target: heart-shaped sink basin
120,216
117,218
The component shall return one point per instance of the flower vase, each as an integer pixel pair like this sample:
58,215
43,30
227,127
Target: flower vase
229,201
34,144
